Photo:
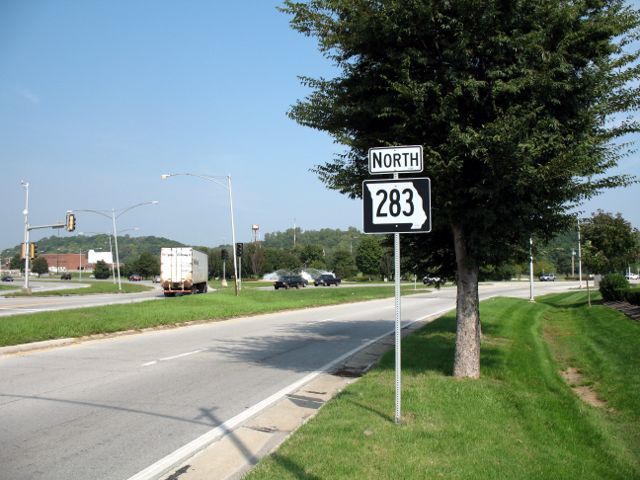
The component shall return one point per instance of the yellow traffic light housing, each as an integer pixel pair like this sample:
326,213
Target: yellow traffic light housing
71,222
33,250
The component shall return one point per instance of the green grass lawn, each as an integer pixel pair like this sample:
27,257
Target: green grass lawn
518,421
93,288
219,305
10,286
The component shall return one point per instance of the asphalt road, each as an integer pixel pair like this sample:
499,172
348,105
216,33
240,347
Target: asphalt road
108,409
40,286
21,305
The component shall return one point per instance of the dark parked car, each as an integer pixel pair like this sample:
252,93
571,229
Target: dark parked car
7,278
135,277
290,281
327,280
65,276
431,280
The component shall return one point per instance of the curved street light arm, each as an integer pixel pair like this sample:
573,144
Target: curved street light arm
98,212
219,179
111,214
152,202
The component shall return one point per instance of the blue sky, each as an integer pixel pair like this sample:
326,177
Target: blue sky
99,98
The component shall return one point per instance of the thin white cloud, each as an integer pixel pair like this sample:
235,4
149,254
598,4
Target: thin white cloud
28,95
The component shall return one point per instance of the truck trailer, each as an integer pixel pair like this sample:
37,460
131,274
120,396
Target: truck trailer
183,270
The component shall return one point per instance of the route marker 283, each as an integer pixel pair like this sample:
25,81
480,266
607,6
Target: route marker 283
397,206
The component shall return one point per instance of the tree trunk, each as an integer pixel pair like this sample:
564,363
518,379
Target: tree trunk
467,357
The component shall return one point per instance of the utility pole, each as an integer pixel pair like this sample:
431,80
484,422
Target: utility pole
27,230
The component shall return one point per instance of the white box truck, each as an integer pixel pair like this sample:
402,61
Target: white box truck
183,270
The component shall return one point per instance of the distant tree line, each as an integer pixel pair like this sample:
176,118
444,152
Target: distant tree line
609,244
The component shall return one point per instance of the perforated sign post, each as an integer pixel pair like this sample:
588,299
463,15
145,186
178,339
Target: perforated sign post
396,206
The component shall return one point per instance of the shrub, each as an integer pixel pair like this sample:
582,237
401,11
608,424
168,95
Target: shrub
632,295
101,270
611,287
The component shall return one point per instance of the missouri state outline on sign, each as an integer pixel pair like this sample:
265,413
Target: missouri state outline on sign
397,206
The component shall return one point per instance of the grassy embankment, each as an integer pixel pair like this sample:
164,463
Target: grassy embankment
92,289
219,305
519,420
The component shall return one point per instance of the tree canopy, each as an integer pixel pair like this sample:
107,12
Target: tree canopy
343,264
611,243
40,266
512,101
369,256
101,270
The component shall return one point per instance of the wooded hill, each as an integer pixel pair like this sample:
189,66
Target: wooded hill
129,247
329,239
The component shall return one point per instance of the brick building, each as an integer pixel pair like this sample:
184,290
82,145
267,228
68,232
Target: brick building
66,262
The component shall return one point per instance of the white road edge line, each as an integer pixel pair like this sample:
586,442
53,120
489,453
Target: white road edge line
173,460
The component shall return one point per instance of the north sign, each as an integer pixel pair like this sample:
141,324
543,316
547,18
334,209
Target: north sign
397,206
406,159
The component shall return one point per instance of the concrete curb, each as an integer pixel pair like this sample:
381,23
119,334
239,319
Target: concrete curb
29,347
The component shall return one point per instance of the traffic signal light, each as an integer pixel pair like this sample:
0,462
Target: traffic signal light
224,254
33,250
239,249
71,222
23,251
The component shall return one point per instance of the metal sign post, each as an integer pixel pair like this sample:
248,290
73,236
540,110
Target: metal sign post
398,321
396,206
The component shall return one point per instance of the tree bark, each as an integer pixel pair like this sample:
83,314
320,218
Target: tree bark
467,356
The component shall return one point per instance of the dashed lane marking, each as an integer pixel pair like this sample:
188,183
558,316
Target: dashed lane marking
173,357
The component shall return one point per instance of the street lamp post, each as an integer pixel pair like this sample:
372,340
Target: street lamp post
579,255
115,238
113,216
113,273
26,236
219,180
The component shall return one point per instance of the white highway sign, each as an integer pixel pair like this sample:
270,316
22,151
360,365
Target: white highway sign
406,159
397,206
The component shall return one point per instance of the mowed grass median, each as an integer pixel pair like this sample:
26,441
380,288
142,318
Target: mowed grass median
519,420
93,288
219,305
